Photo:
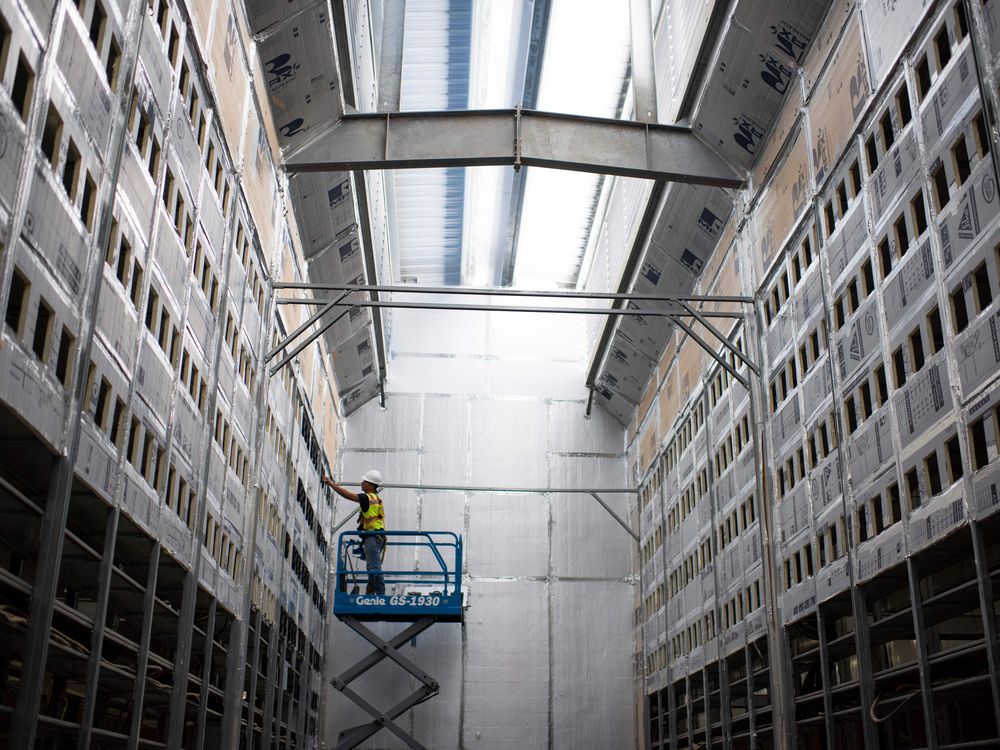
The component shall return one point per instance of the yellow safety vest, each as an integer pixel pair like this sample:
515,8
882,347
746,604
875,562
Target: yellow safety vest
373,519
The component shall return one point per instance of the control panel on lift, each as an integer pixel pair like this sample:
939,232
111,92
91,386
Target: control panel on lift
421,571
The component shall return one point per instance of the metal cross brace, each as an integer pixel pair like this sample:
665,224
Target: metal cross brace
384,719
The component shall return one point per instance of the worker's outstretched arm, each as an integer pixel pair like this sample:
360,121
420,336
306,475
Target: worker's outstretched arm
344,493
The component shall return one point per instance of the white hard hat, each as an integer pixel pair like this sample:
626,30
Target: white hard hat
373,476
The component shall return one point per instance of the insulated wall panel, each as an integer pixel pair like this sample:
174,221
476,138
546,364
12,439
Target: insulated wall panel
507,679
580,618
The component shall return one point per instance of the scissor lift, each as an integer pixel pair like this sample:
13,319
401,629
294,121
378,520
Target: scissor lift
421,598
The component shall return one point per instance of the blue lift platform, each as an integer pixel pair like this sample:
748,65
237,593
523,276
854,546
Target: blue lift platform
420,597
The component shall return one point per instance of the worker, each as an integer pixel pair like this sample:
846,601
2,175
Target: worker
371,518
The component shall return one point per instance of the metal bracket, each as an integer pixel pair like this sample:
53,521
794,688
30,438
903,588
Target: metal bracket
517,138
615,516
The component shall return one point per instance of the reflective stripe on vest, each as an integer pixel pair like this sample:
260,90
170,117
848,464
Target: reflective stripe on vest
373,519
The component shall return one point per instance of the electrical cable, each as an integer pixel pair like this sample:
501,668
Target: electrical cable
874,707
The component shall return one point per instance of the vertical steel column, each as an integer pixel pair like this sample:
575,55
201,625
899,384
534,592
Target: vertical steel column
751,703
391,59
149,606
24,722
644,657
862,645
984,584
824,667
643,62
254,667
230,714
862,640
182,658
206,674
724,702
672,716
690,712
272,714
777,658
97,637
236,668
920,636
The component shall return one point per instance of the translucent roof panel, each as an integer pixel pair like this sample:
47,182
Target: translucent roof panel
584,69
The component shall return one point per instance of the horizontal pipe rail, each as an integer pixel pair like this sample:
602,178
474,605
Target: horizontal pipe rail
615,311
503,292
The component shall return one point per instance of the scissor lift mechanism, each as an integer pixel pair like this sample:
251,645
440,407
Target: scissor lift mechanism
438,599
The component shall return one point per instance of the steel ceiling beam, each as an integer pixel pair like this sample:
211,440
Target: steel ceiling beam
514,137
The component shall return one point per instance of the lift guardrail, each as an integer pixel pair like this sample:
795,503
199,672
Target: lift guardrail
434,591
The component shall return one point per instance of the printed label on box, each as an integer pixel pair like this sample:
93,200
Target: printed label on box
977,350
870,448
973,211
949,96
898,168
859,339
912,281
923,400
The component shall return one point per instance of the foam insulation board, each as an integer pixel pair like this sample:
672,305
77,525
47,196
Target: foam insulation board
201,19
888,26
899,167
399,427
228,72
570,432
782,202
514,429
648,397
649,439
262,14
259,182
783,127
437,723
581,517
825,40
949,97
438,375
627,369
504,535
355,362
300,69
507,689
444,456
787,27
688,369
744,92
92,100
562,379
970,216
667,359
598,689
324,207
839,98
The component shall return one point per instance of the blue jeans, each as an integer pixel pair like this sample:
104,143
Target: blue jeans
373,559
